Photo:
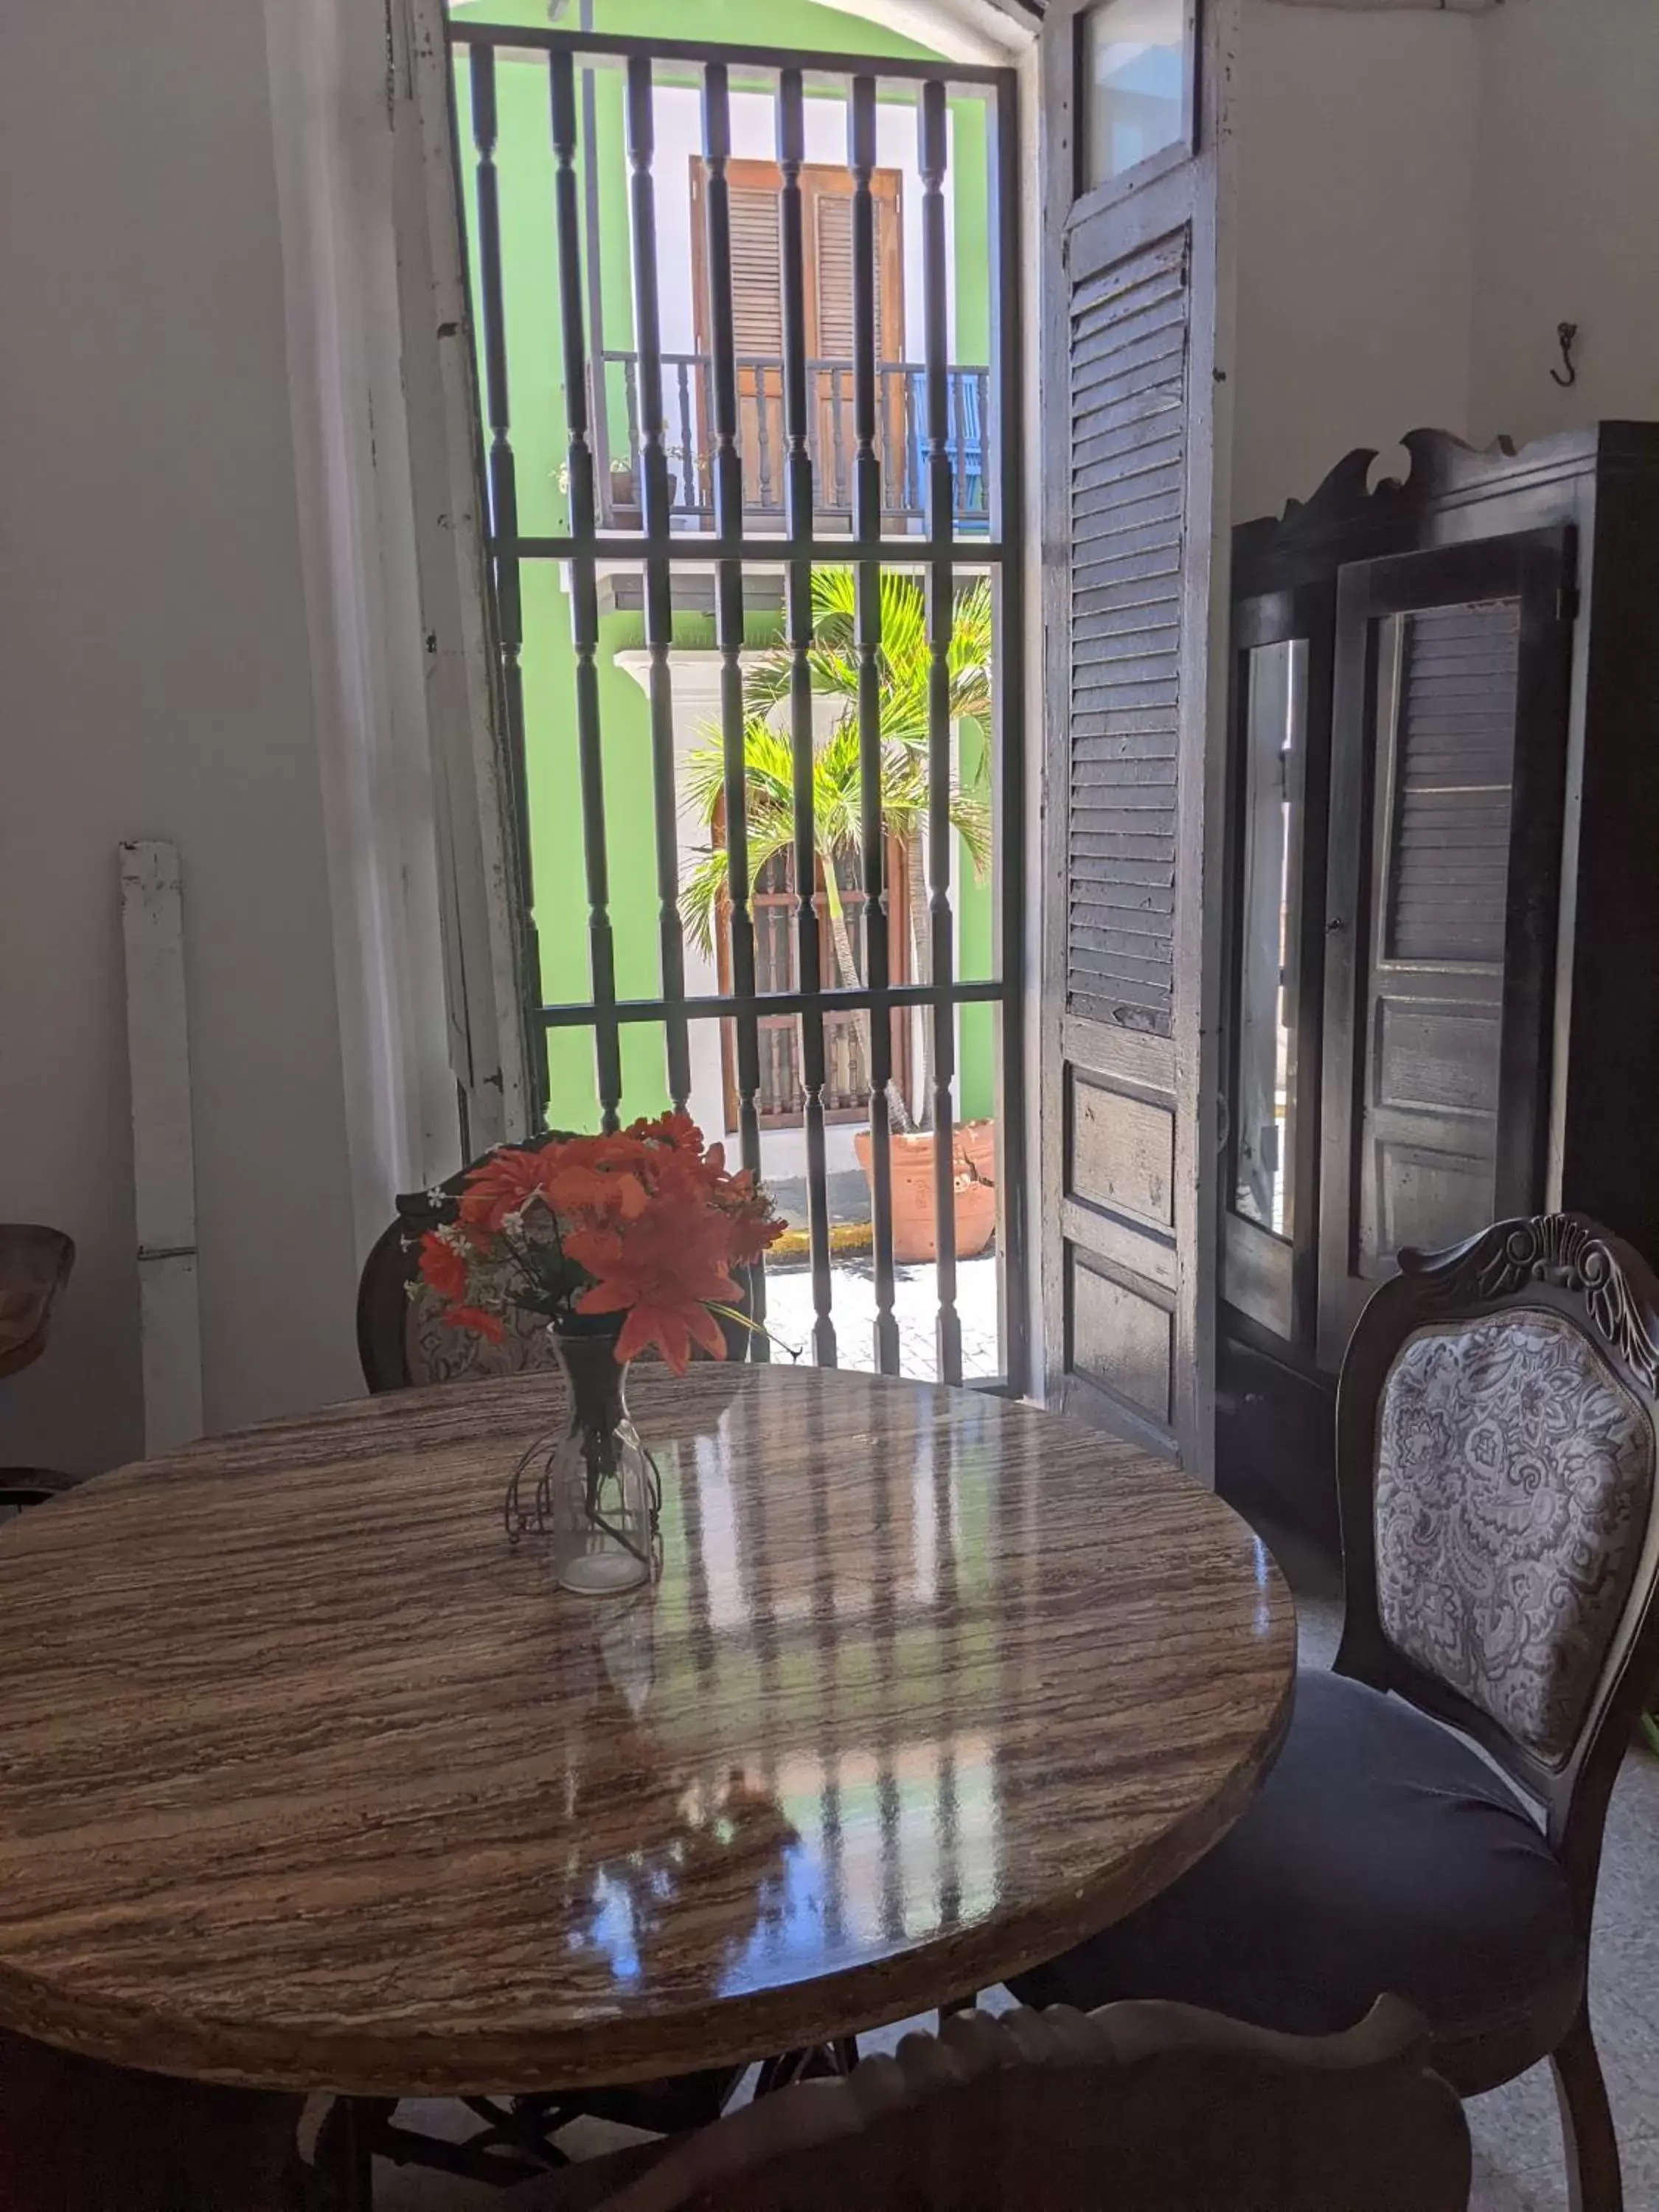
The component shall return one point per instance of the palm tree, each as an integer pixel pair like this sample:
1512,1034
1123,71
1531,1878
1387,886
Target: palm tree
904,662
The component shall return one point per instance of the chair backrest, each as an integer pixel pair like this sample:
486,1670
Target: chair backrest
400,1337
1497,1438
35,1266
1140,2107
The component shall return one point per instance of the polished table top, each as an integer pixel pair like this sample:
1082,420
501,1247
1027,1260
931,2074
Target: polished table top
306,1780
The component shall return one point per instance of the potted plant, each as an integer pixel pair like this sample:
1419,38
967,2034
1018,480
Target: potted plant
904,662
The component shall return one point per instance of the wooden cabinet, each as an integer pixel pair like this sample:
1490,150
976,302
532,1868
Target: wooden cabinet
1442,898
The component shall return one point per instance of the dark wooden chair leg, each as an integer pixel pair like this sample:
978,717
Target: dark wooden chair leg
342,2178
359,2166
1593,2182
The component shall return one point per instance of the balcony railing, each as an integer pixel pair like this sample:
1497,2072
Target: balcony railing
901,446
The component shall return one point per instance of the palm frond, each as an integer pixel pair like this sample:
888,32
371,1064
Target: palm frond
700,895
707,890
766,679
968,658
834,607
904,667
837,812
702,774
769,769
903,656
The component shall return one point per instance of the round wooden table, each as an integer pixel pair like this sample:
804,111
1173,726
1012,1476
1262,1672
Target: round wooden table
307,1780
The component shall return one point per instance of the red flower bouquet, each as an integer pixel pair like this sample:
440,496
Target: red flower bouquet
646,1223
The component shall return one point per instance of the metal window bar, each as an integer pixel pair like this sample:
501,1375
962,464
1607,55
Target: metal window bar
726,477
598,415
1000,435
690,549
703,53
798,638
962,465
867,615
690,496
584,579
579,1014
656,499
503,486
932,156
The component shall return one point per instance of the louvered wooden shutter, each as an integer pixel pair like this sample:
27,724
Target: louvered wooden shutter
1129,460
833,227
756,272
1453,773
1443,861
1136,473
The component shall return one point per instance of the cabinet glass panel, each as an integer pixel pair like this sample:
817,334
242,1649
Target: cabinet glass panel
1135,65
1264,1100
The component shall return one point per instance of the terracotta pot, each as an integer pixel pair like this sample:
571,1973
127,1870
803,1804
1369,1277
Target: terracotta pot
912,1157
978,1139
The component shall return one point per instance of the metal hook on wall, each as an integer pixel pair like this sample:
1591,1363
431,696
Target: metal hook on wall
1566,336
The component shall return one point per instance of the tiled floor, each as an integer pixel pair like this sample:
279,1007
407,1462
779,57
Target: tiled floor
789,1314
1518,2163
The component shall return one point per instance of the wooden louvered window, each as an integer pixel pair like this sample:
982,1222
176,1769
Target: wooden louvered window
1444,848
757,319
756,269
1128,458
1136,473
1445,771
757,260
832,291
1454,769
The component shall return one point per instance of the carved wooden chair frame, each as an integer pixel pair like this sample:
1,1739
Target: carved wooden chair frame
1295,2121
1564,1264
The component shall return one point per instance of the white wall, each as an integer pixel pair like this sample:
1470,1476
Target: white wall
1423,196
154,680
1568,213
1356,228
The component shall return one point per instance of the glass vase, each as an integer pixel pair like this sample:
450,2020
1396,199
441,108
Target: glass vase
597,1495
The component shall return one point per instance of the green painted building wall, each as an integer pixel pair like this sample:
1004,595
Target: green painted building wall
540,443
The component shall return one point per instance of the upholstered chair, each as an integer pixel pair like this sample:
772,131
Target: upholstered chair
35,1264
1433,1825
402,1340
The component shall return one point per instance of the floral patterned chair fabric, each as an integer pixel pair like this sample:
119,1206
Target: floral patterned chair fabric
436,1352
401,1340
1514,1477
